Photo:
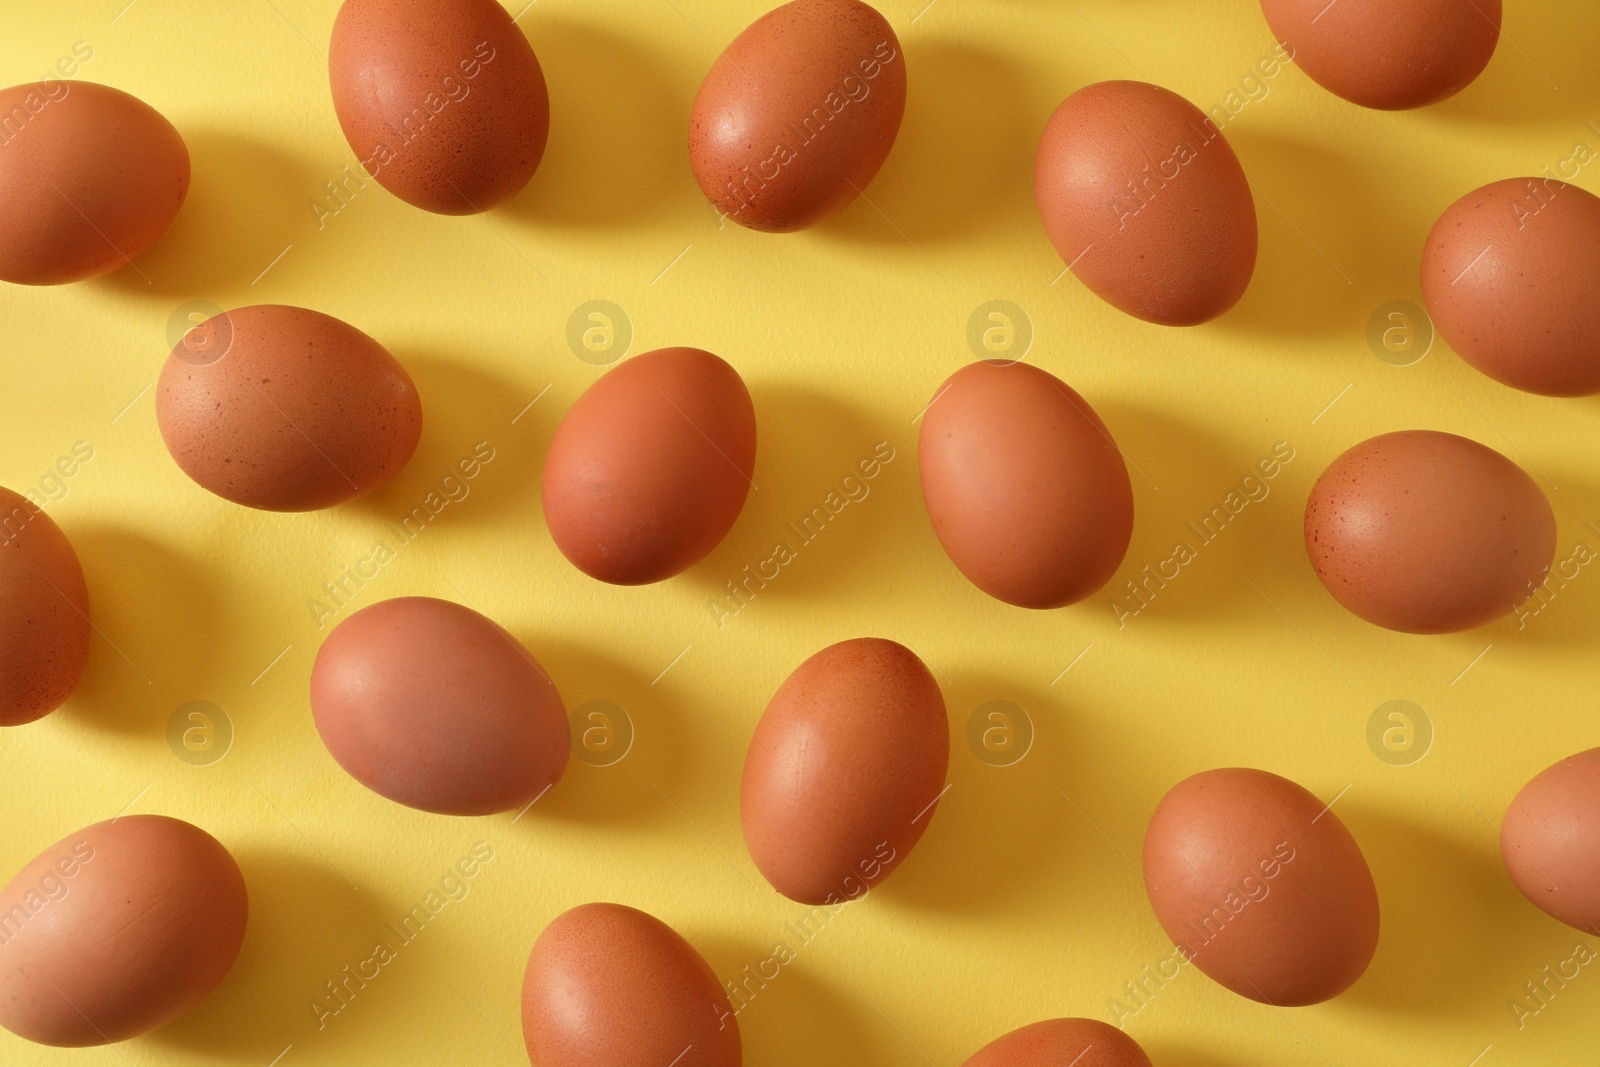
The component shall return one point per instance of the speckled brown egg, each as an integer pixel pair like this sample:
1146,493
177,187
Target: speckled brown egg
116,930
1027,491
443,101
1260,885
1550,840
44,613
1426,532
650,468
1511,277
609,985
287,409
798,113
1062,1043
844,771
90,177
436,707
1388,54
1146,203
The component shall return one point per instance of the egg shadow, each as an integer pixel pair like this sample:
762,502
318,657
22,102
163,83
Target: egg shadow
1332,247
1164,1055
963,160
1454,928
619,122
247,197
794,1019
664,741
463,406
1546,77
999,830
306,925
1180,471
808,444
160,619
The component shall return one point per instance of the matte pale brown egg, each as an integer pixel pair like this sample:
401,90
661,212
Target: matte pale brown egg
1062,1043
1550,840
649,469
436,707
844,771
1511,277
286,409
1426,532
1388,54
44,613
90,177
443,101
1146,203
1260,885
1027,491
798,113
116,930
608,984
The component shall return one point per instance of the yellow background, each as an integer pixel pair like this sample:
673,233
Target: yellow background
1020,903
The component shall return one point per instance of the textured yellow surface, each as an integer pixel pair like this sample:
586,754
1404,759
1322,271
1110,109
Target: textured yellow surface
1021,902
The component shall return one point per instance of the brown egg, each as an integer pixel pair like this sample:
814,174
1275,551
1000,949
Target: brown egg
1550,841
1025,487
1427,533
1261,886
90,177
798,113
434,706
1146,203
443,101
44,613
844,771
1062,1043
650,468
116,930
1511,277
1388,54
286,409
607,984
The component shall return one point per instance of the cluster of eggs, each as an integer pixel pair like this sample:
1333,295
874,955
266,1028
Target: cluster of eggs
287,409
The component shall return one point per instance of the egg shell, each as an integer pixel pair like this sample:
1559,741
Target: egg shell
443,101
1426,532
1146,203
798,113
286,409
607,984
90,177
1550,841
1062,1043
650,468
1261,886
44,613
844,771
1027,491
436,707
116,930
1388,54
1511,278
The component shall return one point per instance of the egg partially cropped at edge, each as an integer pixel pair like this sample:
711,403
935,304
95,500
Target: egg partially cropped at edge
44,613
1550,840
